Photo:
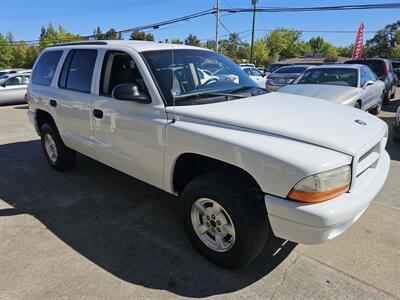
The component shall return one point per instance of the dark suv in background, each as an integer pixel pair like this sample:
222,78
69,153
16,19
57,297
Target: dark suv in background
384,70
396,68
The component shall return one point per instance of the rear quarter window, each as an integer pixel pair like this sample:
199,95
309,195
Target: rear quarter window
45,68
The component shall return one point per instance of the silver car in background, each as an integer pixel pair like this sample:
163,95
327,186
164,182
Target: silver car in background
353,85
13,88
283,76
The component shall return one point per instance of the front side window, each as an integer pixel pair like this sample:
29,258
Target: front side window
177,74
43,72
77,71
118,68
329,76
16,80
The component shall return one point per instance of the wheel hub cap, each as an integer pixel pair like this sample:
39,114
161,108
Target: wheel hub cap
213,225
51,148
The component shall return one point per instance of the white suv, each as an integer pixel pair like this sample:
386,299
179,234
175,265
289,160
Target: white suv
245,164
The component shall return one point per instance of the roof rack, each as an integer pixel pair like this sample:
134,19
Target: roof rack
80,43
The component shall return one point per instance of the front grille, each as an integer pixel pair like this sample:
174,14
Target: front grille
367,159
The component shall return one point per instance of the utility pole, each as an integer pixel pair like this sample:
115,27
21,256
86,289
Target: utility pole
254,3
217,27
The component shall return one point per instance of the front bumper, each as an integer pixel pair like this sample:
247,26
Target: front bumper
317,223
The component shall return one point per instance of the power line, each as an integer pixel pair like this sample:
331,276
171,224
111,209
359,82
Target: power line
317,8
231,11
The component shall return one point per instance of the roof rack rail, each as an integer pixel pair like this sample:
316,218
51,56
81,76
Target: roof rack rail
80,43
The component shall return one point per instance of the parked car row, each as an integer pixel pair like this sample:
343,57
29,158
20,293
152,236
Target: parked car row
366,84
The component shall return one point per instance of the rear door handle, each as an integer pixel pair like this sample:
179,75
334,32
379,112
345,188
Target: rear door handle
97,113
53,102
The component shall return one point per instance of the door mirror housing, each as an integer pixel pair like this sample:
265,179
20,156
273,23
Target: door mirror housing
129,92
3,84
368,83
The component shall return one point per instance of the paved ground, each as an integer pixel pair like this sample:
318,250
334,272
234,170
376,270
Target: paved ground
96,233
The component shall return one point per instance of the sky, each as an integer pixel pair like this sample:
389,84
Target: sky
24,18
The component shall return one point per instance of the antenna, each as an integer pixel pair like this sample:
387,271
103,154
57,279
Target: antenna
172,66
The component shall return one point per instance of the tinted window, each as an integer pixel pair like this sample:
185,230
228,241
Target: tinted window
255,72
17,80
45,67
65,69
376,65
291,70
80,71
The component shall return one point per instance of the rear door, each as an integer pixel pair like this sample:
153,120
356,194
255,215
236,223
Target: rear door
72,99
128,135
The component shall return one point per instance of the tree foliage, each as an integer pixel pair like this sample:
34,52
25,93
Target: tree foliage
279,44
141,36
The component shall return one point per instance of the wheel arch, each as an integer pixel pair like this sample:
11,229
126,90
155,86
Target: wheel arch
188,166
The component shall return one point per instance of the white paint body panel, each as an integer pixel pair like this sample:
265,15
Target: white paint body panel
276,138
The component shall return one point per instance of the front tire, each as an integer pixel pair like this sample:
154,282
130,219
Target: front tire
224,219
59,156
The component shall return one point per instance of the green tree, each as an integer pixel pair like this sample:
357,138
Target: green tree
192,40
97,34
283,43
176,41
260,52
141,36
316,44
5,53
112,34
385,40
50,36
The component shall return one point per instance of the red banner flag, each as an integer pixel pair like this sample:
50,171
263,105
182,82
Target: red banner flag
359,44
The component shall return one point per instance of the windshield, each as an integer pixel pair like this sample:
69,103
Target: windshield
330,76
194,72
285,70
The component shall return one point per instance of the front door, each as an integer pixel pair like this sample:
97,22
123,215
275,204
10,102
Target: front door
128,135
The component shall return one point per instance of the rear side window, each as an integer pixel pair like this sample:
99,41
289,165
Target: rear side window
45,67
77,71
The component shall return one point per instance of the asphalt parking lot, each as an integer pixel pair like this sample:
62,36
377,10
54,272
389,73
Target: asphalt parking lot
94,232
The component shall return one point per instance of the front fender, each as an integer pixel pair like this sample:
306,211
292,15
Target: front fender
276,163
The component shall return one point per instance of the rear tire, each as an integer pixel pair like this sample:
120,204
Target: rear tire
59,156
238,207
386,98
394,94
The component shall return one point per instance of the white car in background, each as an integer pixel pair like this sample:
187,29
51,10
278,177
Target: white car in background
353,85
13,88
255,74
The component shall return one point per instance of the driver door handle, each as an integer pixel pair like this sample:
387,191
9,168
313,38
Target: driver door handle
97,113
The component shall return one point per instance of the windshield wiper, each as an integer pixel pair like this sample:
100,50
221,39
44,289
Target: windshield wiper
247,87
208,94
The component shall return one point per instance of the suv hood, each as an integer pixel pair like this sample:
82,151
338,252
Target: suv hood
320,122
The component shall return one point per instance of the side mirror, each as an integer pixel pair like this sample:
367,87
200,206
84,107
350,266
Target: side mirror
129,92
368,83
3,84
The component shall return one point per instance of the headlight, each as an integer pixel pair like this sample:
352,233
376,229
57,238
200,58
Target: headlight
322,186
